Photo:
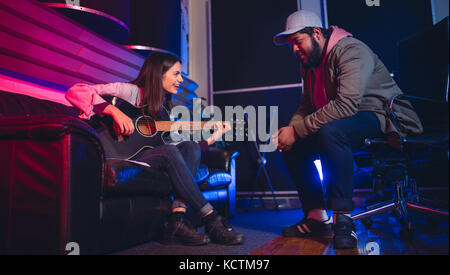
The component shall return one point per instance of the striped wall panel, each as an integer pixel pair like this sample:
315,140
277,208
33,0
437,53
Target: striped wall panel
39,42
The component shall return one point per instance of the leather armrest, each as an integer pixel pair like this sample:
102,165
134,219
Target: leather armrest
57,164
43,127
218,158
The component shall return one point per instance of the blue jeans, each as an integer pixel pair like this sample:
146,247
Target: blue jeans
334,144
181,164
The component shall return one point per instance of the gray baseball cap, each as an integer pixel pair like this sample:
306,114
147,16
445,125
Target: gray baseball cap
296,22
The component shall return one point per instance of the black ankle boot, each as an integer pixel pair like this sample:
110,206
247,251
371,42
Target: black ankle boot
344,233
220,232
179,230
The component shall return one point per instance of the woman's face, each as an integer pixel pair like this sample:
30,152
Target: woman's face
172,78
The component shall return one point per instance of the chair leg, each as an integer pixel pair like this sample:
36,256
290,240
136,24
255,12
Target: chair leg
426,205
420,204
380,196
426,210
397,205
407,231
405,199
385,207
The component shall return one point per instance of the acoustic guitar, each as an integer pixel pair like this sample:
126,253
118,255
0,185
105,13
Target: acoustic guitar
148,133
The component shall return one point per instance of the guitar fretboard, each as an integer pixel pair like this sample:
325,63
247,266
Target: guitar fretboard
145,125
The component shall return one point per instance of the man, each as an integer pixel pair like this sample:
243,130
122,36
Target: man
345,89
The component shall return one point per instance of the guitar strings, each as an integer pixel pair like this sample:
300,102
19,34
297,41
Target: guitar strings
146,122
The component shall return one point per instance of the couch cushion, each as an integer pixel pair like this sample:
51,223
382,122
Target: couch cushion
218,179
202,173
127,178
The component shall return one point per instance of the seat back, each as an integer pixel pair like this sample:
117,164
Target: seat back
424,72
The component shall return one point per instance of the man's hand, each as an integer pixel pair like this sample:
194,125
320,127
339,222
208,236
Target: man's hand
123,125
284,138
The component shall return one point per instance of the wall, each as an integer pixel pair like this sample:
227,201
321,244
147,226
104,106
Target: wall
381,27
316,6
199,40
247,69
440,10
40,43
198,45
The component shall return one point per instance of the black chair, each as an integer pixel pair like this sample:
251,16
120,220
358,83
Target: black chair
397,159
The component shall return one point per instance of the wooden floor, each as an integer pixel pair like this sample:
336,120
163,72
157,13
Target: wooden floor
262,227
382,238
375,241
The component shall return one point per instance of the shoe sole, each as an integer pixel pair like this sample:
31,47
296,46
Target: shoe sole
175,241
238,241
326,235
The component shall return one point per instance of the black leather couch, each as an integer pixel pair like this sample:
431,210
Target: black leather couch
56,187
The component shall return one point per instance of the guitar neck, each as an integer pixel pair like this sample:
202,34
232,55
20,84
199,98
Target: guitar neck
166,126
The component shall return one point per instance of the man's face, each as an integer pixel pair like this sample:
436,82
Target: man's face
306,48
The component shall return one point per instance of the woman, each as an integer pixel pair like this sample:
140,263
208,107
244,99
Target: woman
158,80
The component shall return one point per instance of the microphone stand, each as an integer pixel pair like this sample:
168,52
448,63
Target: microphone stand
262,161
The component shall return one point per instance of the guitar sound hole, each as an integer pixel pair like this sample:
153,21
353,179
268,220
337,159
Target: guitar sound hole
143,126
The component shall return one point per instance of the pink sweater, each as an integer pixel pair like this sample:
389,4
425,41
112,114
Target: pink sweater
319,97
85,96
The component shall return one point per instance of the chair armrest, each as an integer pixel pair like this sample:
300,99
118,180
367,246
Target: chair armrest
412,98
44,127
425,103
390,104
57,164
218,158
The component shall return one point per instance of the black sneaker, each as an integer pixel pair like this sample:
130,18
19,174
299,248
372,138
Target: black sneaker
220,232
183,232
310,228
344,233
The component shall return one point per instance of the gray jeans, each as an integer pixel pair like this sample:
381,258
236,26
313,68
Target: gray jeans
181,163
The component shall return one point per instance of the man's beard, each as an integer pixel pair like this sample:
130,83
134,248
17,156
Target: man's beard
314,57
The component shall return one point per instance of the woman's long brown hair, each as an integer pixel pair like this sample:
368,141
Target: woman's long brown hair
150,79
